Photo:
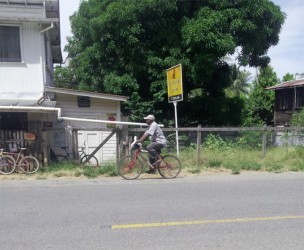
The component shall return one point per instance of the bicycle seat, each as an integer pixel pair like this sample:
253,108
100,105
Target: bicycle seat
64,147
23,148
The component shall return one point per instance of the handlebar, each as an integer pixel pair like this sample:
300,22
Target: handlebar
135,145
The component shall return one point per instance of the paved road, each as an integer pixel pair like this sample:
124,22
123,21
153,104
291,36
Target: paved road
247,211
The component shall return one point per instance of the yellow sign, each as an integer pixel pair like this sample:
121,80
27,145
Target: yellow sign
175,83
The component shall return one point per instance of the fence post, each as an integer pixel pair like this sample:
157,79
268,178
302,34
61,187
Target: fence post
118,145
75,145
198,144
264,141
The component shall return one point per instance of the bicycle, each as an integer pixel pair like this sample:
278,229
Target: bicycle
26,163
7,163
82,156
130,167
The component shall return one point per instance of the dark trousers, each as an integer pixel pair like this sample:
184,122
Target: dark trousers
154,149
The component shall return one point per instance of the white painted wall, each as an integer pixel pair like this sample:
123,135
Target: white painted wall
100,109
20,11
25,79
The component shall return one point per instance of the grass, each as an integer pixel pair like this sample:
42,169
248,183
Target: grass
235,160
238,159
70,170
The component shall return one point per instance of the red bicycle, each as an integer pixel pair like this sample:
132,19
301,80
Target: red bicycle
131,166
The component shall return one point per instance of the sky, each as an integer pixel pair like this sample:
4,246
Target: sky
286,57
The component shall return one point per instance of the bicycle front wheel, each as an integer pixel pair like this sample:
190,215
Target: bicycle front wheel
129,168
28,164
7,164
93,162
169,167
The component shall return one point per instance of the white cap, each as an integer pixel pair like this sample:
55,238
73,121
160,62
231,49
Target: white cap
149,117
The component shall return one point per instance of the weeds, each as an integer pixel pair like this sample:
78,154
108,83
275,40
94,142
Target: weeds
216,154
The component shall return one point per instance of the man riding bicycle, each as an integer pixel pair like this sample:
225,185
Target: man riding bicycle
158,139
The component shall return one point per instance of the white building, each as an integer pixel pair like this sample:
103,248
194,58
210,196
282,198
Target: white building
29,103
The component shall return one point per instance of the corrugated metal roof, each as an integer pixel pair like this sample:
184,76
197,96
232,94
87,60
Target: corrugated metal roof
27,103
288,84
86,93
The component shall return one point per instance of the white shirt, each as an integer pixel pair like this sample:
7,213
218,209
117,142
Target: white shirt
156,133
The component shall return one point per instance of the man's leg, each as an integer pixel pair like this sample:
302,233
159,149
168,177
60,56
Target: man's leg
153,148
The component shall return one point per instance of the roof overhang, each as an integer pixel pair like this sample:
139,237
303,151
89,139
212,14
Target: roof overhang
287,85
86,93
27,103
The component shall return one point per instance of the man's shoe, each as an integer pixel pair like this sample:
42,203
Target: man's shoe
157,162
151,171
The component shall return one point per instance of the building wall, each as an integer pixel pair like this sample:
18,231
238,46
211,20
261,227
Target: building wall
20,11
25,79
92,134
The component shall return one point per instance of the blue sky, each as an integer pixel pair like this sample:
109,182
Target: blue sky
286,57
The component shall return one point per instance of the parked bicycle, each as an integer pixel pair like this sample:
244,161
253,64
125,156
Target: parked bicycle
83,156
26,163
7,163
130,167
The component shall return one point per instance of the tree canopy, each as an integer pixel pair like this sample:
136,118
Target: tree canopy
259,107
125,46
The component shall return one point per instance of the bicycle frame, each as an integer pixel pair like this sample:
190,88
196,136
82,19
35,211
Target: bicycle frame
17,156
130,166
81,153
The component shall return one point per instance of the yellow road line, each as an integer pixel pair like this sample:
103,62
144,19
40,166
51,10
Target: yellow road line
178,223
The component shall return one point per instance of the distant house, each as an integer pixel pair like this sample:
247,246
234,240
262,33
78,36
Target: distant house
30,105
289,98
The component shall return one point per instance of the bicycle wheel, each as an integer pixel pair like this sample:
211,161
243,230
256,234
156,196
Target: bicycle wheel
169,167
62,159
7,164
92,163
28,164
128,168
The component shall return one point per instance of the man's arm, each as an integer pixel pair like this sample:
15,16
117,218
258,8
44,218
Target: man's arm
144,137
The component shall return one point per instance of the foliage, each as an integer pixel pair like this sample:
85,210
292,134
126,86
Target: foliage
64,78
289,76
297,118
124,47
259,107
214,141
240,82
250,139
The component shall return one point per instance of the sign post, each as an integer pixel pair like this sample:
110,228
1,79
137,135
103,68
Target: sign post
175,92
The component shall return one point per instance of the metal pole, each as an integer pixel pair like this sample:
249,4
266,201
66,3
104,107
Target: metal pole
198,145
176,126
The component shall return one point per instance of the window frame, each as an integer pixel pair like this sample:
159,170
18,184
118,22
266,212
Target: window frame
20,41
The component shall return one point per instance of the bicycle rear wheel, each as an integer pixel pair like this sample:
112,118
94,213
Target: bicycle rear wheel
169,167
28,164
129,168
7,164
92,163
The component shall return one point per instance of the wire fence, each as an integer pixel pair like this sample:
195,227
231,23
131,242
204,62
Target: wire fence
203,140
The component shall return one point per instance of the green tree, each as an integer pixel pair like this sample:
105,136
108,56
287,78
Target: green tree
259,107
240,82
288,77
297,118
65,78
125,46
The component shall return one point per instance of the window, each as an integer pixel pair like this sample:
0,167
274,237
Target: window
13,121
10,44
